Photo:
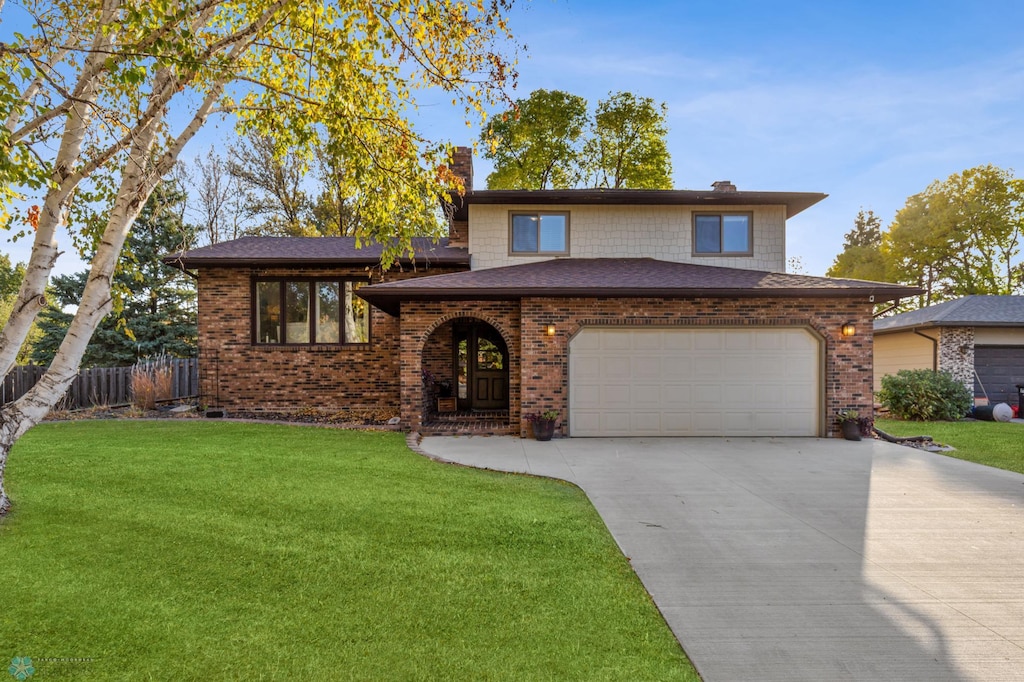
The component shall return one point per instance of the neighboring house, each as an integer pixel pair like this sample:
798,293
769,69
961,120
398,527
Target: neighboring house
628,312
977,339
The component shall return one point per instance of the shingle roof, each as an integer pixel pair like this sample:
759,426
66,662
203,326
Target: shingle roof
619,277
969,311
310,251
795,202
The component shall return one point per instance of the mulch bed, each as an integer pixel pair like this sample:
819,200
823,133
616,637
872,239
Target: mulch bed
345,418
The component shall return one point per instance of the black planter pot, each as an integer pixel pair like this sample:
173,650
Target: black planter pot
543,429
851,430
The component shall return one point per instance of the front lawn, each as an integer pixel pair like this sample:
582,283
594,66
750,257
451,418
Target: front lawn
997,444
187,550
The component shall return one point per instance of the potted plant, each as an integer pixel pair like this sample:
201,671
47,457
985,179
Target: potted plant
850,423
543,423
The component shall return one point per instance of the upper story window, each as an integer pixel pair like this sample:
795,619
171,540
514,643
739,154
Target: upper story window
539,233
727,234
309,311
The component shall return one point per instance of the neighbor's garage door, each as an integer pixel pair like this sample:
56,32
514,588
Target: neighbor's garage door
1000,369
694,382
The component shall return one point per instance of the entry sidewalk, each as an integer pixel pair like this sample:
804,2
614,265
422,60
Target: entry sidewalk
805,559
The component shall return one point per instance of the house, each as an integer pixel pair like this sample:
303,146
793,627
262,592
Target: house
628,312
977,339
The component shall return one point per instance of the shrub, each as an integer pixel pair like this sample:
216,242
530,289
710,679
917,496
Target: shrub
924,395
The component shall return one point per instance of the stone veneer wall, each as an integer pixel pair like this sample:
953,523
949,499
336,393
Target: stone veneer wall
951,359
661,232
539,363
236,374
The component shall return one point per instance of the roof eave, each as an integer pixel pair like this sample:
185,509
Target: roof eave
194,263
390,300
795,202
948,323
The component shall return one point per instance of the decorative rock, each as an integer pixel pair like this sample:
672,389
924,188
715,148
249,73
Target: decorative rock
394,420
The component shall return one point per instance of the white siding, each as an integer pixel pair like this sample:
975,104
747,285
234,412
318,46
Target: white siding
662,232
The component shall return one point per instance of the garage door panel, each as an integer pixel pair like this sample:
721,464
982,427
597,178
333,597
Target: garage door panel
587,366
617,340
646,368
738,341
616,396
769,340
707,366
675,395
707,340
617,368
646,422
698,382
739,422
646,396
676,423
675,368
680,339
643,341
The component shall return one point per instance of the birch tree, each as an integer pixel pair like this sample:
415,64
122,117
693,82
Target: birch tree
98,98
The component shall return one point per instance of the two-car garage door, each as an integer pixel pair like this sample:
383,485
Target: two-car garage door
694,382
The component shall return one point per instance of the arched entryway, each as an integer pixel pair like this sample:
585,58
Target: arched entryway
468,378
480,365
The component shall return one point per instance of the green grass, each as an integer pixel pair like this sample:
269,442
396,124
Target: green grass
996,444
188,550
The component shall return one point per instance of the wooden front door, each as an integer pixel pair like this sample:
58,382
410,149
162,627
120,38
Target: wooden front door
481,366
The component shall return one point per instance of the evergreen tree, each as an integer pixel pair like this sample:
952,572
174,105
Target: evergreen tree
156,312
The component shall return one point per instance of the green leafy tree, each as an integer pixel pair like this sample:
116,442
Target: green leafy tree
549,141
960,236
861,257
538,144
627,147
98,98
155,309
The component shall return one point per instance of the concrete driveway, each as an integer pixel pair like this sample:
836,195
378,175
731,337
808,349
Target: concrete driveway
805,559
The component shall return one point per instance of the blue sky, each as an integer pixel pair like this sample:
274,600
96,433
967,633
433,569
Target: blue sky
866,101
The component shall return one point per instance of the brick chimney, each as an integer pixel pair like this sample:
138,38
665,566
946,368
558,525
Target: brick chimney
462,166
723,186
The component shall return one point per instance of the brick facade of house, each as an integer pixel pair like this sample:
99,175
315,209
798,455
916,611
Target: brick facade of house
539,363
386,374
237,375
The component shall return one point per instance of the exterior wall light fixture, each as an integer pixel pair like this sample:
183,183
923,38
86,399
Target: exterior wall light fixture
550,330
848,329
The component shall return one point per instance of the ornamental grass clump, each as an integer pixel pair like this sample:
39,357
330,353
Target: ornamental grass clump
925,395
152,380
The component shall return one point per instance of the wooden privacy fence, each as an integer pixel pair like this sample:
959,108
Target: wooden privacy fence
110,386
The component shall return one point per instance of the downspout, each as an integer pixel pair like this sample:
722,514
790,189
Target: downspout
935,349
